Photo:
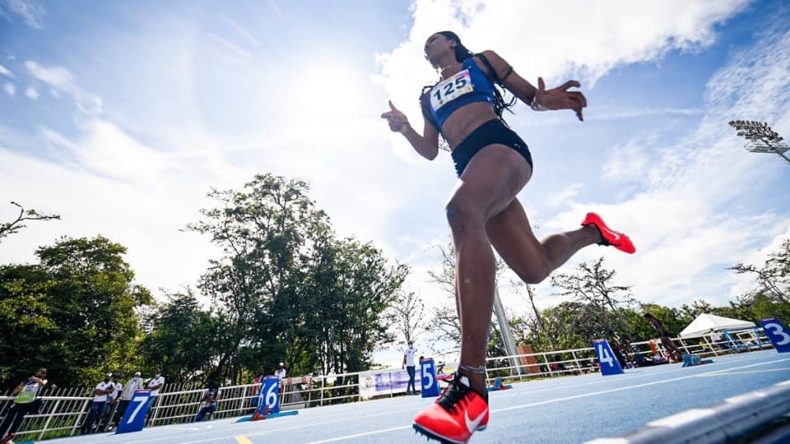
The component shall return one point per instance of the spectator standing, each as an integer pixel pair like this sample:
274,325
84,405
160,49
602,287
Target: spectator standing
131,386
100,394
26,393
408,364
112,399
280,372
155,385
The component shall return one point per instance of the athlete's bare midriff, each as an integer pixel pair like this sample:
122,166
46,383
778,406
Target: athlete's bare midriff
465,120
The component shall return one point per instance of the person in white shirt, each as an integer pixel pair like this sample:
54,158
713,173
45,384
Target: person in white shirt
408,364
112,399
25,402
116,389
132,385
280,372
155,385
100,393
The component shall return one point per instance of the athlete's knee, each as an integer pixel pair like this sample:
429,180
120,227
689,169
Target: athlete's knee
537,272
534,277
463,216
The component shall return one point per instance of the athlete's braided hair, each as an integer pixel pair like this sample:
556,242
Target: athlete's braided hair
462,53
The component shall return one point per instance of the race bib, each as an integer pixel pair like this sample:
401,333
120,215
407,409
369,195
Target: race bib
450,89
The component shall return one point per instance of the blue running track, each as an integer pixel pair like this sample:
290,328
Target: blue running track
571,409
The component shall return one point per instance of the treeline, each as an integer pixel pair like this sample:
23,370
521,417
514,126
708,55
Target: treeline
591,301
596,303
285,288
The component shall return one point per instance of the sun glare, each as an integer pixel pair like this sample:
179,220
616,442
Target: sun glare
331,91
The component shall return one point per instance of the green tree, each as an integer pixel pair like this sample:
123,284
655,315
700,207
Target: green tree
671,318
83,299
285,289
538,323
25,320
264,230
572,324
183,341
364,289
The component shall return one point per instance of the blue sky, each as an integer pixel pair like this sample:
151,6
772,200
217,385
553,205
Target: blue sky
120,116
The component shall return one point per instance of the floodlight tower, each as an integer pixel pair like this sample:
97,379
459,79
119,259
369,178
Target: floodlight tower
762,139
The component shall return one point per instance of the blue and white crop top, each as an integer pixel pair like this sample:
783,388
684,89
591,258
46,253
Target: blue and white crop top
468,86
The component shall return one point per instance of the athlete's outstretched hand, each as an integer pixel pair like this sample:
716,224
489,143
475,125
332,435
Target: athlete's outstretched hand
560,97
396,119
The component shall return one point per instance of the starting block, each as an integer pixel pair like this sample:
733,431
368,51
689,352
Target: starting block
259,416
498,385
692,360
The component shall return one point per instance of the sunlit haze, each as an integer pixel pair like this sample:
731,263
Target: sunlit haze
121,116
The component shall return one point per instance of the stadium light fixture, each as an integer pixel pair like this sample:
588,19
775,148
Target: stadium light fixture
762,139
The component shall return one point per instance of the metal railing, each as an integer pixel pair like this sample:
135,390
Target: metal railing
63,410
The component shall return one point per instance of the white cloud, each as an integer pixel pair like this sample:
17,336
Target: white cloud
565,195
32,12
630,160
593,38
4,71
610,114
61,79
697,216
31,93
9,89
117,187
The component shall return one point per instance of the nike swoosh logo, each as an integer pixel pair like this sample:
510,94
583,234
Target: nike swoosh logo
472,425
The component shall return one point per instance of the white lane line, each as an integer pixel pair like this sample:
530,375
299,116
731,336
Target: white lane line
359,435
620,389
551,401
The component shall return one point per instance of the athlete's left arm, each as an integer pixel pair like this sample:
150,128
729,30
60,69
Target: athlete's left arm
538,98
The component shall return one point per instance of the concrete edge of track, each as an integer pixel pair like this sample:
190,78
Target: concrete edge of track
719,423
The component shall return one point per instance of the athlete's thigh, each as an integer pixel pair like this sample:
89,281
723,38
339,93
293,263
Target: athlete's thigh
491,180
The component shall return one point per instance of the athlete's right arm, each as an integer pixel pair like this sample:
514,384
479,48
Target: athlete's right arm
427,145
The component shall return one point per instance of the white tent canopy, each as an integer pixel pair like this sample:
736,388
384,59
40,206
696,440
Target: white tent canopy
706,323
